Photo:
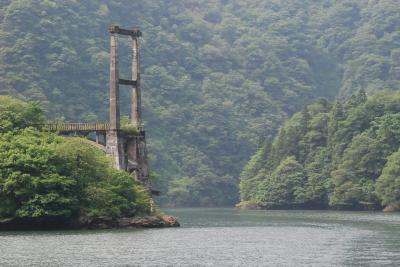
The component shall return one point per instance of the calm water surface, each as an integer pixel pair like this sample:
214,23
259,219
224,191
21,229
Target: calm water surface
220,237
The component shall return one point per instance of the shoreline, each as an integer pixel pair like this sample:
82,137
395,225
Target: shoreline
249,205
148,221
136,222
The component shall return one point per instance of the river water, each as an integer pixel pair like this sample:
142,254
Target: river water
220,237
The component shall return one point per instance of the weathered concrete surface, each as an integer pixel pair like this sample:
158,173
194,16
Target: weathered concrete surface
135,150
114,85
115,149
136,105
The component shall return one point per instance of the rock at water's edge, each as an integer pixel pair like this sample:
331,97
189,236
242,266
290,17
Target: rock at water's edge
392,207
248,205
148,222
154,221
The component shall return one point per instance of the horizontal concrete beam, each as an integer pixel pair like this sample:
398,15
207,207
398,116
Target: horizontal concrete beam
135,32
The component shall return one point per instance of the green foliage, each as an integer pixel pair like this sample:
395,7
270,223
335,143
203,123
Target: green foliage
30,181
388,183
283,186
129,128
248,176
219,77
16,114
45,176
361,165
117,197
342,155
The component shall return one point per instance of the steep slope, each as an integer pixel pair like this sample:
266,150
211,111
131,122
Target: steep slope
342,156
219,76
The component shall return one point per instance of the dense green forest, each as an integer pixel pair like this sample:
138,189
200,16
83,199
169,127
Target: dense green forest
219,76
343,155
45,178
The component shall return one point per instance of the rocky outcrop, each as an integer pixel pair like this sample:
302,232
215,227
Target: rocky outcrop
392,207
248,205
149,221
156,221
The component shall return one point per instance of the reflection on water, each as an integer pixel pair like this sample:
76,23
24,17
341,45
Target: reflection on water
220,237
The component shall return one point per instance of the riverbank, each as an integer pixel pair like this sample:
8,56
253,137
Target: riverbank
148,221
362,206
159,221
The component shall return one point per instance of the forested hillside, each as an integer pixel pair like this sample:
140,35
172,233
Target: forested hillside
219,76
344,155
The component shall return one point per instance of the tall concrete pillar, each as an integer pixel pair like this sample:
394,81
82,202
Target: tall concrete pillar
114,146
114,85
136,115
136,146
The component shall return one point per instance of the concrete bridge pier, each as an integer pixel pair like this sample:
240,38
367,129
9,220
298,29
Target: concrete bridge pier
136,158
115,149
128,150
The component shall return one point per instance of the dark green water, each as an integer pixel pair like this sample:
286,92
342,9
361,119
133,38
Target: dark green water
220,237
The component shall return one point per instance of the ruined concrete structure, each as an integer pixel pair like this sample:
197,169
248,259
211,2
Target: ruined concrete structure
127,148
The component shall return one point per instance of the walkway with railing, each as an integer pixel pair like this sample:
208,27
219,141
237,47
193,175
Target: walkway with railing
77,127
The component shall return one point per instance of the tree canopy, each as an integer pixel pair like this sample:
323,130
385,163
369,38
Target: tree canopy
341,155
219,76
